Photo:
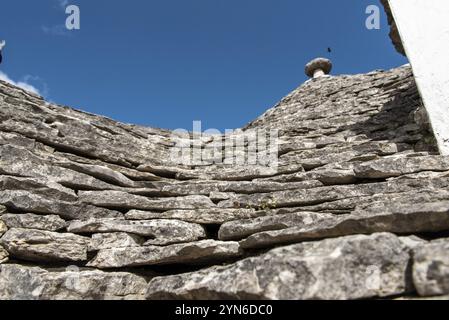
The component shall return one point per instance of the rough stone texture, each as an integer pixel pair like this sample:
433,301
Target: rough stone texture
355,157
203,216
395,167
3,255
207,187
117,199
33,221
238,229
114,240
189,253
3,228
28,201
351,267
32,283
400,219
431,268
44,246
160,232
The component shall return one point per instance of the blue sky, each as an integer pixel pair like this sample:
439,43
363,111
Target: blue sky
166,63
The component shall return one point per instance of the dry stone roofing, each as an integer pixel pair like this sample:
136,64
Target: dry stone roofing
90,208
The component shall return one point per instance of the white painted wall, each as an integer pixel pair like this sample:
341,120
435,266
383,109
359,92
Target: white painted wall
424,29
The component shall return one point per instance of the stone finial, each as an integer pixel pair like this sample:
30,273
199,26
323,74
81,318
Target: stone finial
318,67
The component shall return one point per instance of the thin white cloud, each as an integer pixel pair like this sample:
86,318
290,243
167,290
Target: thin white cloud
59,30
63,3
24,83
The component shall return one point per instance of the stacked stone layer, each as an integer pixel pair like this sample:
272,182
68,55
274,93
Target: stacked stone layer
358,208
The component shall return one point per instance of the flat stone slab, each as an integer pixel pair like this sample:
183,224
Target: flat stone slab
206,187
101,241
159,231
200,252
123,200
202,216
19,282
30,165
328,194
32,202
401,219
239,229
33,221
353,267
397,166
44,246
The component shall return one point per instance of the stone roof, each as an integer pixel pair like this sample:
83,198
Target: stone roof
358,208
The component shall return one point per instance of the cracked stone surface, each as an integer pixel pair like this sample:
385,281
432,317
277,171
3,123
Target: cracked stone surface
33,221
351,267
43,246
160,232
400,219
186,253
33,283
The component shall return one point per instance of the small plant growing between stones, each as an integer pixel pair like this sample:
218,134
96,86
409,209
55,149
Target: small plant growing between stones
268,204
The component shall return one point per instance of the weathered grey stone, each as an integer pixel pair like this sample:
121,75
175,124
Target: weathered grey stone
3,209
17,140
19,282
315,158
397,166
160,231
194,187
117,199
201,252
3,227
31,165
431,268
202,216
330,176
44,246
217,196
3,255
33,221
114,240
42,186
412,242
315,196
382,201
164,170
401,219
81,133
26,201
128,172
100,172
239,229
238,173
352,267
